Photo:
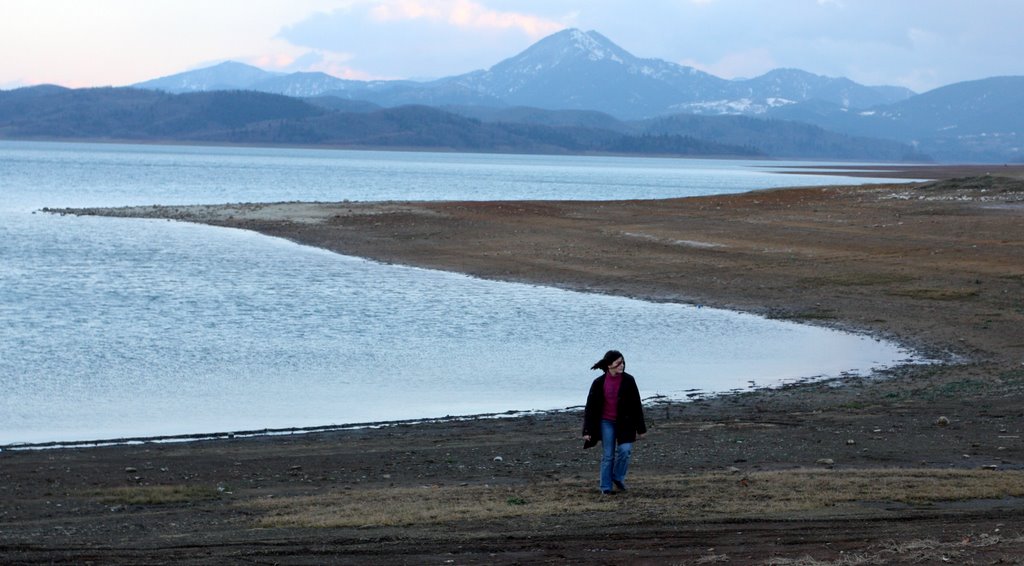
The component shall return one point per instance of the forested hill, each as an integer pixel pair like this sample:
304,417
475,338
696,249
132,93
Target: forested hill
250,117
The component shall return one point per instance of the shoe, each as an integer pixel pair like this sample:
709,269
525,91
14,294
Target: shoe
620,485
607,492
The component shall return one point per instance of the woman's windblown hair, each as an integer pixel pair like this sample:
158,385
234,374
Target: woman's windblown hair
609,357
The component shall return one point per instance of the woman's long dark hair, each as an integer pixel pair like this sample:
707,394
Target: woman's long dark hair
609,357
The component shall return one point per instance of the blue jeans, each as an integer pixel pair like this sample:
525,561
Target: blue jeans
615,459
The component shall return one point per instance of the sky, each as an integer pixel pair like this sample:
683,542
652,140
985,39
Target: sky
918,44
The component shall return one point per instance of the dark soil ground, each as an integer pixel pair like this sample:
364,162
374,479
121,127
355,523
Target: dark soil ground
922,464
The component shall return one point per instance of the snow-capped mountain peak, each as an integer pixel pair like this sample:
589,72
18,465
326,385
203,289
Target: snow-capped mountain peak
595,46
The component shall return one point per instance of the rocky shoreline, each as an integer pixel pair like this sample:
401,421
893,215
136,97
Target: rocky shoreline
920,464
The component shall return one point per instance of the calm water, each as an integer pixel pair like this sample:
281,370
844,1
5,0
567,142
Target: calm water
115,327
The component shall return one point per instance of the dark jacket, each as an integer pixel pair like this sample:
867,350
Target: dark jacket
630,419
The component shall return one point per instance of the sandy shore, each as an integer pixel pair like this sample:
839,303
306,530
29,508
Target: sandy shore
921,465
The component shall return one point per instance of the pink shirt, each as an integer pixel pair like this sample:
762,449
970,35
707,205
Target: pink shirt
611,396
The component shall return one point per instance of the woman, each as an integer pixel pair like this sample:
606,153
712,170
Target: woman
615,416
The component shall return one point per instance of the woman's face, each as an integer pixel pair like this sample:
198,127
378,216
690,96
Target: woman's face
616,367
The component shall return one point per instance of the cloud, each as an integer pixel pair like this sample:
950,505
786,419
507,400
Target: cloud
412,38
916,43
738,64
463,14
334,64
80,43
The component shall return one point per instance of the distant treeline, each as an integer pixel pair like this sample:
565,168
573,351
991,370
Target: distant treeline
249,117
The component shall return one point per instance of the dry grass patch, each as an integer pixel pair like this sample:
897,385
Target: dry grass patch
787,494
779,494
429,505
155,494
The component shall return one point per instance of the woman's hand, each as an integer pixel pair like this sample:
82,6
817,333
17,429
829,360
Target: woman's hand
586,437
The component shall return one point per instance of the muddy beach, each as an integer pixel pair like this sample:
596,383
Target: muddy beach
921,464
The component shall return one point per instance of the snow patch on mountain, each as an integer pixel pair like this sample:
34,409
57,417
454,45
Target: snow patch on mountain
595,49
744,106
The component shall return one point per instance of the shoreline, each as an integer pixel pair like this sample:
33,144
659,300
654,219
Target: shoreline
271,432
651,402
920,464
915,356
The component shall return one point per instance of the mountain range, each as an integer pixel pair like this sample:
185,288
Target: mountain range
251,117
569,70
573,91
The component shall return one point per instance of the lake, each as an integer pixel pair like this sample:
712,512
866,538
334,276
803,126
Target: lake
118,328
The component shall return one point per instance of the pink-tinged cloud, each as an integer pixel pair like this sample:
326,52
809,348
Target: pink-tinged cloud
463,14
334,64
273,61
342,71
742,64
